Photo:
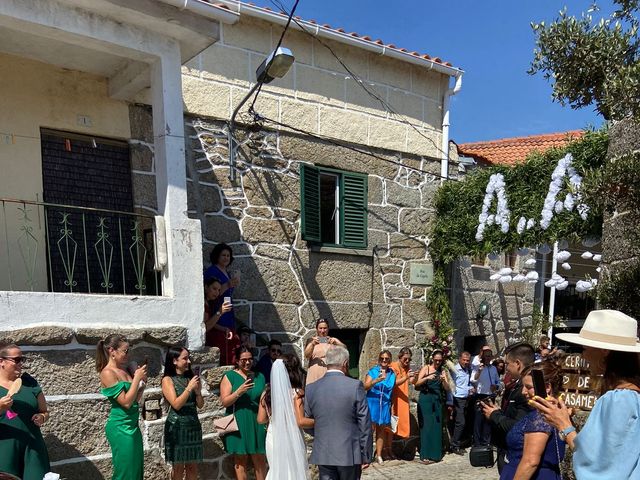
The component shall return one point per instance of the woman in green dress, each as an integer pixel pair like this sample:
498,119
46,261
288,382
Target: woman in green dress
431,382
240,392
182,429
123,393
23,452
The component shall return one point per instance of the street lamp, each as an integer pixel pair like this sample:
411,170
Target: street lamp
276,65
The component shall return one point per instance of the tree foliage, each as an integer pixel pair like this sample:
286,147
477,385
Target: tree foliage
593,62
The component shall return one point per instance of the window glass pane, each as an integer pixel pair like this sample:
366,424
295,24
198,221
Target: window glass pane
329,215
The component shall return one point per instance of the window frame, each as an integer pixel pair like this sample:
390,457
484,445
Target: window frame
353,220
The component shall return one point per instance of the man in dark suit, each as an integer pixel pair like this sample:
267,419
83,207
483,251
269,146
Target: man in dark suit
515,406
343,441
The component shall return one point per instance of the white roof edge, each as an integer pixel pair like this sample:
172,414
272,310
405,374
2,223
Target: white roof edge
240,7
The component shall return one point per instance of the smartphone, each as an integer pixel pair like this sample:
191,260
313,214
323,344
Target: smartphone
323,339
539,385
145,361
250,376
196,370
227,300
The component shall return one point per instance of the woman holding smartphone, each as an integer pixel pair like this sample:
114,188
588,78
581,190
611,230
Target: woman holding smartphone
182,429
123,391
240,392
534,449
316,349
431,382
224,332
607,446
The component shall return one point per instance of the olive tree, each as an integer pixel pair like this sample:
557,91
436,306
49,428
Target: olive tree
593,62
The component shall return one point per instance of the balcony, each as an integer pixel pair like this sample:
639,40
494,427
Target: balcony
46,247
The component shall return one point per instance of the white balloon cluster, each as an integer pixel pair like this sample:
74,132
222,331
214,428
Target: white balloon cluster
496,186
551,205
501,217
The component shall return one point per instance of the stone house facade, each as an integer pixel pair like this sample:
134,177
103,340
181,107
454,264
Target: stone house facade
319,121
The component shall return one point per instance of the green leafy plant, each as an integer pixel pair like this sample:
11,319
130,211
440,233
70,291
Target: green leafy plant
438,305
458,204
593,60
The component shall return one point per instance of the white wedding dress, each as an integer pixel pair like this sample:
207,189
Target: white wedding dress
285,448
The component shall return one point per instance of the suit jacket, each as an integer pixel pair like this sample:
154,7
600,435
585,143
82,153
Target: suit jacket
515,407
342,431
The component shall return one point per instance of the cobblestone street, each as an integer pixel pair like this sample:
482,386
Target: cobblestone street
451,467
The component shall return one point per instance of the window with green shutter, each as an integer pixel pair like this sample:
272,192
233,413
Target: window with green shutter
334,207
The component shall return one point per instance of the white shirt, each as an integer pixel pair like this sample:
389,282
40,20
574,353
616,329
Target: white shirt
483,380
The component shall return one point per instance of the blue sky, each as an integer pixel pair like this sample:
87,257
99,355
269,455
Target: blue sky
490,39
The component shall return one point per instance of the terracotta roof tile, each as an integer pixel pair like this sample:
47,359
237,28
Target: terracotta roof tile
509,151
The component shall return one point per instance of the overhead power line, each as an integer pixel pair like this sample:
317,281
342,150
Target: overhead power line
385,105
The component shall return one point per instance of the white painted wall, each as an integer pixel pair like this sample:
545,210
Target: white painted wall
46,96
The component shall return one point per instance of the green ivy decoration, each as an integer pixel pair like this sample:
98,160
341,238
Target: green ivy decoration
458,204
438,305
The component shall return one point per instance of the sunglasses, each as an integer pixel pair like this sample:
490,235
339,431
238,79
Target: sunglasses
245,360
275,350
16,360
384,359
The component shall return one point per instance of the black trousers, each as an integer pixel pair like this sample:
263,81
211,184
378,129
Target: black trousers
481,426
331,472
460,406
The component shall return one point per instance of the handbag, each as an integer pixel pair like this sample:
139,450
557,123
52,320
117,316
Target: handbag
481,456
394,423
226,424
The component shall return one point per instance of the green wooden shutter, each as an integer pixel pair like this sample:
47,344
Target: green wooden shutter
354,210
310,203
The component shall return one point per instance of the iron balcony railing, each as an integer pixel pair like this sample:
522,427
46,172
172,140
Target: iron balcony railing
65,248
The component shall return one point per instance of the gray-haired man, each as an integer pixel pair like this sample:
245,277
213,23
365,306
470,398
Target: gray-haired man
342,441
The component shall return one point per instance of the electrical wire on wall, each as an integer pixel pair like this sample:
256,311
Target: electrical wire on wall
260,119
385,105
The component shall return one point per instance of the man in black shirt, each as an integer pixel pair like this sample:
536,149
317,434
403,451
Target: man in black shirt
517,358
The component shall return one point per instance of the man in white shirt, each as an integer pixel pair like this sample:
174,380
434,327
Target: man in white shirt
486,381
463,392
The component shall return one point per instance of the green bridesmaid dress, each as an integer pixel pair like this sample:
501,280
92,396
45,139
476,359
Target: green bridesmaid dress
123,434
22,449
251,436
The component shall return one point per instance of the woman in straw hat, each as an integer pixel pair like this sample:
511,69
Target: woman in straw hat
607,446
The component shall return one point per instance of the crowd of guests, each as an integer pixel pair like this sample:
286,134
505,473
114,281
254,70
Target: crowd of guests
274,400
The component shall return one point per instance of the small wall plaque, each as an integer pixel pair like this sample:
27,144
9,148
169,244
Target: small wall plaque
421,274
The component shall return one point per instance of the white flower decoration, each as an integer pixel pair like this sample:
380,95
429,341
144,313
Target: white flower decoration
495,186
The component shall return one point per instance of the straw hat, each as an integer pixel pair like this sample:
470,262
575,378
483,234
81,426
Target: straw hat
607,329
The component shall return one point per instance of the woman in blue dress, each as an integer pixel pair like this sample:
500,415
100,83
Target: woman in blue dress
223,334
379,383
534,449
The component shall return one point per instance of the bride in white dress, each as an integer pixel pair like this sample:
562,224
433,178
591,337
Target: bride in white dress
285,447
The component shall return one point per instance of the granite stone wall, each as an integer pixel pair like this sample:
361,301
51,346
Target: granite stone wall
62,360
618,246
286,285
510,304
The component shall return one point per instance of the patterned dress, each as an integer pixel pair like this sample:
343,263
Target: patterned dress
549,467
182,429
